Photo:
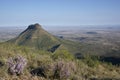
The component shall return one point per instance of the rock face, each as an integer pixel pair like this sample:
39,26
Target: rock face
34,26
36,37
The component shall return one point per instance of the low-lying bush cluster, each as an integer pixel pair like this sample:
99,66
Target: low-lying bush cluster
64,70
16,65
59,70
91,61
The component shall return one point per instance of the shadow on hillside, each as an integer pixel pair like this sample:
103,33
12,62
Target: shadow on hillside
113,60
38,71
104,79
54,48
1,64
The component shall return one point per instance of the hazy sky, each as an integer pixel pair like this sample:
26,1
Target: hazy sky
59,12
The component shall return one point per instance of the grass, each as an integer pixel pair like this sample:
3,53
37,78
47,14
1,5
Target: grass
86,69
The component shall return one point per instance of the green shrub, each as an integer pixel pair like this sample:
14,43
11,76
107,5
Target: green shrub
91,61
62,54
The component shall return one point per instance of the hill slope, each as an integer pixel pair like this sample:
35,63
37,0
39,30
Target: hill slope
36,37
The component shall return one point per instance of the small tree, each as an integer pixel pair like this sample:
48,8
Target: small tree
16,65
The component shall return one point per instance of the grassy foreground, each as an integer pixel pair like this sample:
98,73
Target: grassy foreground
89,68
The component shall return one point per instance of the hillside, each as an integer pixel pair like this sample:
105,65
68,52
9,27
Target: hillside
49,58
82,69
35,37
38,38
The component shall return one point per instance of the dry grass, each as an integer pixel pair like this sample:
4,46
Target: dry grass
41,58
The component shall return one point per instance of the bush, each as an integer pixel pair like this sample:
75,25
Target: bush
58,70
16,65
63,70
91,61
62,54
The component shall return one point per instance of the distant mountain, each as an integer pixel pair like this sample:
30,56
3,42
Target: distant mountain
36,37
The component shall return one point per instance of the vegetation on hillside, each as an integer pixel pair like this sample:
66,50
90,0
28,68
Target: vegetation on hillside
61,65
35,37
37,55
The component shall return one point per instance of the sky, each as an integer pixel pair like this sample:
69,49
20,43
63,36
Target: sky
59,12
